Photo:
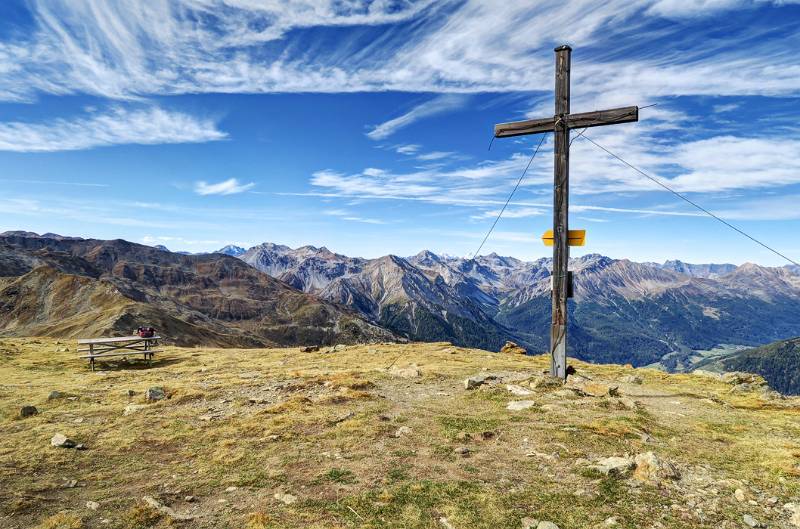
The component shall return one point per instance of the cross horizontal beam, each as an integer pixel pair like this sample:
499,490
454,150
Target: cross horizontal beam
573,121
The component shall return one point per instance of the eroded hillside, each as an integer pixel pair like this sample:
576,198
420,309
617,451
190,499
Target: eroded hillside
386,436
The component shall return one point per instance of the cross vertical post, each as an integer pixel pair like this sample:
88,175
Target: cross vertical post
560,125
560,274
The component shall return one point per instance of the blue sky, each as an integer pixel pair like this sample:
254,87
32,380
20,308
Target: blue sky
363,126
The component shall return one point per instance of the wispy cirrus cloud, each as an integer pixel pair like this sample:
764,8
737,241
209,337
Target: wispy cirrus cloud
117,126
130,49
437,105
230,186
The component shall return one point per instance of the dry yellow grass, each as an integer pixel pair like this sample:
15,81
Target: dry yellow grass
242,426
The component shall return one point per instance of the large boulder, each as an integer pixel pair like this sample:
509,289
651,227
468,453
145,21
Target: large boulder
615,466
60,440
513,348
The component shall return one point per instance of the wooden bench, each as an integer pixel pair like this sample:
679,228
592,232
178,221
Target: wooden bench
121,346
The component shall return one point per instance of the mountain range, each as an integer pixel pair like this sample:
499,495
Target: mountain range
71,287
622,311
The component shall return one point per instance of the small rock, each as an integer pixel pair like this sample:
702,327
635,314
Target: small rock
403,430
28,411
189,499
794,510
445,524
628,404
547,525
231,489
650,467
80,446
130,393
285,498
339,347
611,522
595,389
309,349
529,523
411,371
513,348
614,466
739,495
70,483
519,405
478,380
55,395
92,505
631,379
133,408
168,511
155,393
462,451
62,441
519,391
750,521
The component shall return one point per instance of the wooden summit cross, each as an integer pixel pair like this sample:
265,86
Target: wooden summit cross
560,124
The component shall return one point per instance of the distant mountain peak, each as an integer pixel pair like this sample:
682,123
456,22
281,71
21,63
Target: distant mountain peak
232,250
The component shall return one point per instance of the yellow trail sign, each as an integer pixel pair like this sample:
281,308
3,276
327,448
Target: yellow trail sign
575,237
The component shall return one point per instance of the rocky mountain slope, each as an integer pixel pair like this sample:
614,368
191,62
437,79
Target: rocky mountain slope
777,362
622,311
74,287
386,436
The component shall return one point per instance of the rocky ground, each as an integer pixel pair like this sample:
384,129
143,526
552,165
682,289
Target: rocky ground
412,436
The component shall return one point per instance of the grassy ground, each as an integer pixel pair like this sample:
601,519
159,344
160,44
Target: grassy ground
356,445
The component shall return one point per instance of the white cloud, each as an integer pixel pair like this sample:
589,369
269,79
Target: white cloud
437,105
118,126
408,149
227,187
129,49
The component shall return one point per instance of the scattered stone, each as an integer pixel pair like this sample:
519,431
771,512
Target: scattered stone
444,523
519,391
463,451
28,411
739,495
167,511
155,393
78,420
611,522
513,348
62,441
519,405
285,498
631,379
70,484
92,505
529,523
339,347
614,466
133,408
652,468
55,395
189,499
402,431
627,403
794,510
411,371
750,521
478,380
80,446
130,393
231,489
309,349
736,378
547,525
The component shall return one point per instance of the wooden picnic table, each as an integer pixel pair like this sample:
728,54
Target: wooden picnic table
118,346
